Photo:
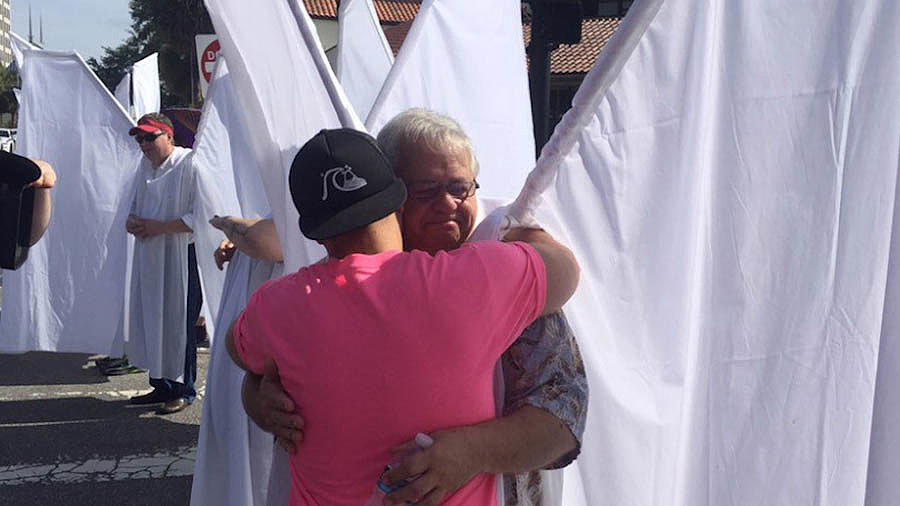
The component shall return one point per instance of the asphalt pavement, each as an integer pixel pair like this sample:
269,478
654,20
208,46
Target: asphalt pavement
69,437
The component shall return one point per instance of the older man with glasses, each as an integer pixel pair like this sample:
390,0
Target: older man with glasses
545,389
160,322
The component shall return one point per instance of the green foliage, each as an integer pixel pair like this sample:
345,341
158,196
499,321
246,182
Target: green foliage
115,61
9,79
167,27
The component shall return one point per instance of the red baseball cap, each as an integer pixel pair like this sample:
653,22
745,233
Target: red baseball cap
150,126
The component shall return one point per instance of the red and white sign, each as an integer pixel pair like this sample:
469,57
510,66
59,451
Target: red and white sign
207,53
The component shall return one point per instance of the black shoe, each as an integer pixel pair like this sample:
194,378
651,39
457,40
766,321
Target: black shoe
173,406
121,371
112,363
200,332
153,397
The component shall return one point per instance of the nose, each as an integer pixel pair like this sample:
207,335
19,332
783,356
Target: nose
445,202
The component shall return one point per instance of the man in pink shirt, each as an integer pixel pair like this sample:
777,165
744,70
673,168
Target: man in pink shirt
376,344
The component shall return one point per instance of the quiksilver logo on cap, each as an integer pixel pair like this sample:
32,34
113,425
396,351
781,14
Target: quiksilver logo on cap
342,179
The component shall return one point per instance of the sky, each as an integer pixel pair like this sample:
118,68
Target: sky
83,25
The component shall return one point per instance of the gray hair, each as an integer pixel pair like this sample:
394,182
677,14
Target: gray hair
424,129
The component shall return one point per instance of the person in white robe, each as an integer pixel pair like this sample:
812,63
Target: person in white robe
158,338
234,456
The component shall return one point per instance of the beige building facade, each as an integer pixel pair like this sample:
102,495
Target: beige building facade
6,54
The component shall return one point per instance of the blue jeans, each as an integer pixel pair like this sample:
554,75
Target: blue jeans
171,389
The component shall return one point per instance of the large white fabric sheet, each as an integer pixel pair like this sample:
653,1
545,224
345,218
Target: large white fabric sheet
222,144
231,448
731,201
138,91
123,93
465,58
145,86
221,138
19,45
288,95
882,485
234,456
364,57
68,296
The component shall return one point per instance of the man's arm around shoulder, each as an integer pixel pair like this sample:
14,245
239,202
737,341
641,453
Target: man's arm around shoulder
559,262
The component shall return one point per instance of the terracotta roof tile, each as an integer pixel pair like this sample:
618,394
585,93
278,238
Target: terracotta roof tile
389,11
566,59
396,34
579,58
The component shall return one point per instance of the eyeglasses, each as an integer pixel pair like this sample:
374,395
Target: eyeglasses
427,190
140,139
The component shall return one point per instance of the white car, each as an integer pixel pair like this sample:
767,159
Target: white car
8,139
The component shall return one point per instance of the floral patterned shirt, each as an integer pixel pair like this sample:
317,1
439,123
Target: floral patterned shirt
543,368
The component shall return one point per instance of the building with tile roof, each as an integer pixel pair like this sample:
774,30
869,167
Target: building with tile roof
324,15
389,11
569,63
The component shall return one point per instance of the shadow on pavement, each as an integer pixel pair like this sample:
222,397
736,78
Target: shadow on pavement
78,429
45,368
148,492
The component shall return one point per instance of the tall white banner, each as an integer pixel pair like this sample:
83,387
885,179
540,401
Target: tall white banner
465,58
145,85
364,56
123,93
138,91
731,199
233,454
68,296
216,190
287,95
19,44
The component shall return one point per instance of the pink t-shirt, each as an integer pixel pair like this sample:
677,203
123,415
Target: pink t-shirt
375,348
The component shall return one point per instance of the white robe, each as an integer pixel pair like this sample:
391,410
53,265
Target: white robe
232,449
156,327
234,456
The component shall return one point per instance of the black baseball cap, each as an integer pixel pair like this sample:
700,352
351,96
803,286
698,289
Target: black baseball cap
341,181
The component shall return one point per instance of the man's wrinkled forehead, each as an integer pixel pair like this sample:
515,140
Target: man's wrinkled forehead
412,164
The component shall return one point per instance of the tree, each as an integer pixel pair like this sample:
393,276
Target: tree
115,61
9,79
167,27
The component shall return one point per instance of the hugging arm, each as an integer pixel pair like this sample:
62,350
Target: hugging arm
560,265
269,406
256,238
545,410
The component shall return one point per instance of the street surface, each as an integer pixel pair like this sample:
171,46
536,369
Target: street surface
69,437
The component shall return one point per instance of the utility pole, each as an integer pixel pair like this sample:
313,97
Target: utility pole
192,65
539,72
553,22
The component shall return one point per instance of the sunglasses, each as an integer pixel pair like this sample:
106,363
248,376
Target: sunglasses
140,139
427,190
